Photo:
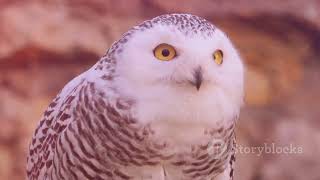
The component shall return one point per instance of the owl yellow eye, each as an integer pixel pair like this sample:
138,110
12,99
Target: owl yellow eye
218,57
164,52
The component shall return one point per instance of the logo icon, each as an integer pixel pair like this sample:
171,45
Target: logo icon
216,148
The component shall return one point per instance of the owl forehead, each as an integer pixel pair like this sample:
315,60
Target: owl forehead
187,24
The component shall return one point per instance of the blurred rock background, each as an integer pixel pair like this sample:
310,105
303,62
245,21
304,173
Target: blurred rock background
45,43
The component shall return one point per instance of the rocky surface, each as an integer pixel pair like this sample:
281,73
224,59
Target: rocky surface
44,44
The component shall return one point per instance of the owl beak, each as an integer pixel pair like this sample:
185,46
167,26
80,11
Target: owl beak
197,78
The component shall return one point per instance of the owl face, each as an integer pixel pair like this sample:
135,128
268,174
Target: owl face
165,63
164,56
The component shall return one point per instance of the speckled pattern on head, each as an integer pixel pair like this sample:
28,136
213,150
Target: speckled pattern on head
188,24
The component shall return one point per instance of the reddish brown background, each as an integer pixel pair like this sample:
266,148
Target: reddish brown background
45,43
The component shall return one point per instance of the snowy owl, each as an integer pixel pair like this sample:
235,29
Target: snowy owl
161,104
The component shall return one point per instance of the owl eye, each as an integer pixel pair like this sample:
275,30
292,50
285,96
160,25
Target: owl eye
164,52
218,57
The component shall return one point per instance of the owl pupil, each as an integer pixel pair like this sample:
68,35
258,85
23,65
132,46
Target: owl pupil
165,52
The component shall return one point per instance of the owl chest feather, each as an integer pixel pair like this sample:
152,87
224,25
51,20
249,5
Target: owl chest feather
104,140
178,150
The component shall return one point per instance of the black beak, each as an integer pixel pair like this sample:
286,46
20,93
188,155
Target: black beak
197,78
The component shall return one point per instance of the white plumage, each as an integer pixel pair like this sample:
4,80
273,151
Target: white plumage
134,115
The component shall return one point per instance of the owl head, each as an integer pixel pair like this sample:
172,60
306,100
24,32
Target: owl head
179,62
